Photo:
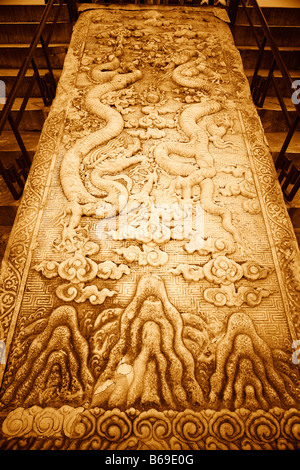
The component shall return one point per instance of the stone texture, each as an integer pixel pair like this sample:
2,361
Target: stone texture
150,287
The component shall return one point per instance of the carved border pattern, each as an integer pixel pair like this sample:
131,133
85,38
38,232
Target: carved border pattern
15,264
16,256
96,429
283,236
285,249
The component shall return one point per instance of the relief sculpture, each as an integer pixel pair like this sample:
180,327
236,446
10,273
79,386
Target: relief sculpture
154,313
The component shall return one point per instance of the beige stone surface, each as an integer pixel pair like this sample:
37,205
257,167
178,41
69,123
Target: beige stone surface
150,287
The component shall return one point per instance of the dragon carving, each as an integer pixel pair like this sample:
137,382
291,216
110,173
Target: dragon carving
103,195
81,201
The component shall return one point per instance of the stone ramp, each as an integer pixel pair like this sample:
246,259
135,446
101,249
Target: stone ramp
150,286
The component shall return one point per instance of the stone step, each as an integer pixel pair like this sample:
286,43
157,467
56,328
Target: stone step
290,56
283,89
11,13
9,157
21,32
9,144
34,115
275,16
276,140
13,55
9,77
272,117
283,35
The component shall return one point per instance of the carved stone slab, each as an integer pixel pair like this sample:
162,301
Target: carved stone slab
150,287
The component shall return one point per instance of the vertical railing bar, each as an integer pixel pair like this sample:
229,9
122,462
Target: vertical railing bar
47,42
258,62
250,23
19,139
296,185
286,143
232,11
25,101
6,176
39,82
282,103
49,66
54,21
266,85
73,10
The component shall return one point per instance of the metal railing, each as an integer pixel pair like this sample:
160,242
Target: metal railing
288,173
16,173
